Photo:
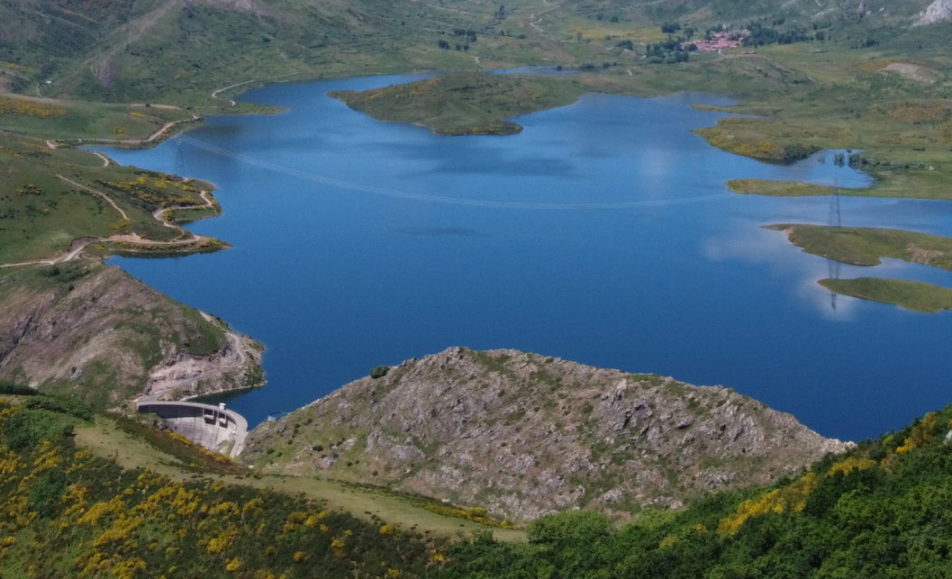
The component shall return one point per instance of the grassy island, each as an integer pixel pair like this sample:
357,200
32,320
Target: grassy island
464,103
780,188
866,246
911,295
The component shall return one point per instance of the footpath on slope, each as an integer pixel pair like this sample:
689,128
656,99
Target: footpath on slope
162,131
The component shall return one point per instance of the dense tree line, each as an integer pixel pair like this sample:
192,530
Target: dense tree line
669,51
763,34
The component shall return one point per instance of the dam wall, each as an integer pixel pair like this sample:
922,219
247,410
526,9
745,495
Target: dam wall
213,427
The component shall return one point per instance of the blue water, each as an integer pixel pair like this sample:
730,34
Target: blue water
603,233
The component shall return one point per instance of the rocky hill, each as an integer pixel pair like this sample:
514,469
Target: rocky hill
938,11
523,435
97,333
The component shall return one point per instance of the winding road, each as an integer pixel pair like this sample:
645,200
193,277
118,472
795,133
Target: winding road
232,102
161,215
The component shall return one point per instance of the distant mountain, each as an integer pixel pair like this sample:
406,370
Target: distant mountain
182,50
523,435
146,49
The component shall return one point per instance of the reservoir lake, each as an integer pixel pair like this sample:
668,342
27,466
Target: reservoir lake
603,233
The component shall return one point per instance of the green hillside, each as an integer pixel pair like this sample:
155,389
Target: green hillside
172,50
102,496
90,495
182,51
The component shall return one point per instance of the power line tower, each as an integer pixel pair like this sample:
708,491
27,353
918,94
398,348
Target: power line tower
835,219
179,157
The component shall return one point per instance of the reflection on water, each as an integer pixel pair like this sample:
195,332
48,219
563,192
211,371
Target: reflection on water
602,233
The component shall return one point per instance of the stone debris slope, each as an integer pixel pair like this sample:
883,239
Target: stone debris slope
523,435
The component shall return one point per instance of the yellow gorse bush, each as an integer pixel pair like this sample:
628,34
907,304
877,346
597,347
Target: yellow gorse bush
31,108
792,498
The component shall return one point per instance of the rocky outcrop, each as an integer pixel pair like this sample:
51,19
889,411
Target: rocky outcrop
182,374
523,435
938,11
914,72
97,333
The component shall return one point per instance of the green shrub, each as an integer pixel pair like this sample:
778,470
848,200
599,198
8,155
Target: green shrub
46,492
61,405
583,527
7,387
27,428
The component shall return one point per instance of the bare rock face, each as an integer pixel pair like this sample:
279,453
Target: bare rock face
938,11
523,435
97,333
253,7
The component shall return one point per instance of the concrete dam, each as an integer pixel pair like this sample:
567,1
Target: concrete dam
213,427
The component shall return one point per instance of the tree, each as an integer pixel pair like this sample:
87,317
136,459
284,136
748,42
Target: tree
584,527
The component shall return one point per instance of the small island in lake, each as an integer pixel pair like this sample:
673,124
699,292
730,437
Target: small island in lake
464,103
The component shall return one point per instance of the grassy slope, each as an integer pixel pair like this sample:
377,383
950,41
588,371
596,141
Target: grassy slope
169,50
881,510
902,125
89,516
70,119
133,445
41,213
107,438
